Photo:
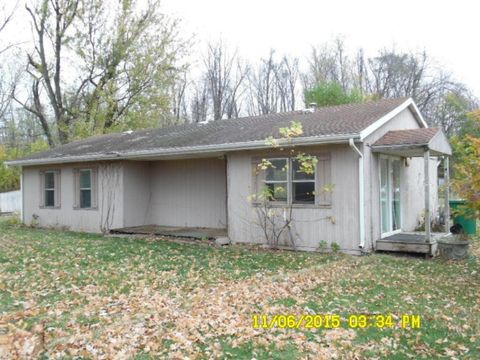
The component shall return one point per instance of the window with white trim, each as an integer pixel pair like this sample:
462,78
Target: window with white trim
85,188
50,188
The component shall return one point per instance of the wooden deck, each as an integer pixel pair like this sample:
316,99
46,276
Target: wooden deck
184,232
409,243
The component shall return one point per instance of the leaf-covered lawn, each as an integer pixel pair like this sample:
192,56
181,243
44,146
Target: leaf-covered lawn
119,297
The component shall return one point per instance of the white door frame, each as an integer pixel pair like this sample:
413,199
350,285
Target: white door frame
389,158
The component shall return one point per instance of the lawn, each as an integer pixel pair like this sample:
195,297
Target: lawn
113,297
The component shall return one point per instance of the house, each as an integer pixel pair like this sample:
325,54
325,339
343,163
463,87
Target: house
381,157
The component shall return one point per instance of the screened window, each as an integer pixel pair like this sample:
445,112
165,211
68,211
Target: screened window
49,188
85,188
303,185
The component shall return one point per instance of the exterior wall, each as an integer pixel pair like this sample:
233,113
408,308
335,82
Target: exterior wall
190,193
310,223
412,180
110,181
137,193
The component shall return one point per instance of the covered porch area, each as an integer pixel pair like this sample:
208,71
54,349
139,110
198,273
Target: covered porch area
414,143
174,231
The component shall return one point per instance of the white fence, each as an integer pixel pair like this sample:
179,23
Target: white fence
11,201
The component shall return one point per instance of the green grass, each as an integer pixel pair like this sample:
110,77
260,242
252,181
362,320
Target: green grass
101,287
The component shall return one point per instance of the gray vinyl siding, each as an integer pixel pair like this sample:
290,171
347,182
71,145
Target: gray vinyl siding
137,193
65,216
189,193
412,201
310,223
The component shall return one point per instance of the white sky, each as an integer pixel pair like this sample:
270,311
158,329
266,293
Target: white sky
448,30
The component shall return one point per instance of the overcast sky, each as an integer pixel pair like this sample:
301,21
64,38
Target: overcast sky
448,30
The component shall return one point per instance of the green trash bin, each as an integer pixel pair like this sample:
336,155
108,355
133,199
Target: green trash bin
466,219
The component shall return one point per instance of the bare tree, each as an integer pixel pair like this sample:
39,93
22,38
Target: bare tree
286,74
391,74
179,102
263,90
6,16
329,63
224,75
200,102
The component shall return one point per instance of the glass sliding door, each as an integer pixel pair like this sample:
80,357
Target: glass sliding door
395,170
390,194
384,196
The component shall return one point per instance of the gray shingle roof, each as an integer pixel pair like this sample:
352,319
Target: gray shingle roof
407,137
324,122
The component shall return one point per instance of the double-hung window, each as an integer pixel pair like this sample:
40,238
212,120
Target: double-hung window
276,180
303,185
50,189
85,188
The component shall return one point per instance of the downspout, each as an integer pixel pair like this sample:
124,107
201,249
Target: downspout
361,193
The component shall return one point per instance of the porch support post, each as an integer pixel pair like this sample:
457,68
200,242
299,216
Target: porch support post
426,161
446,169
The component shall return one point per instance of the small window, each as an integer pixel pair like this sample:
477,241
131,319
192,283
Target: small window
276,180
85,188
303,185
49,188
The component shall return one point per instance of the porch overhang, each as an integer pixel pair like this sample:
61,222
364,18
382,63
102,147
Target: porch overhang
413,143
424,142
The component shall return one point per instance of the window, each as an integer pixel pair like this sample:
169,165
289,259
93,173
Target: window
85,188
50,184
49,189
276,180
287,183
303,185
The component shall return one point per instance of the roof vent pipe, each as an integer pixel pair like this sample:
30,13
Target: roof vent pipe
311,108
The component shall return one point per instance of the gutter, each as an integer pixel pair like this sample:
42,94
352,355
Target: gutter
186,150
361,193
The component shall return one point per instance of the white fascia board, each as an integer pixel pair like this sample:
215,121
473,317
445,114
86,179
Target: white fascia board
386,118
188,150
